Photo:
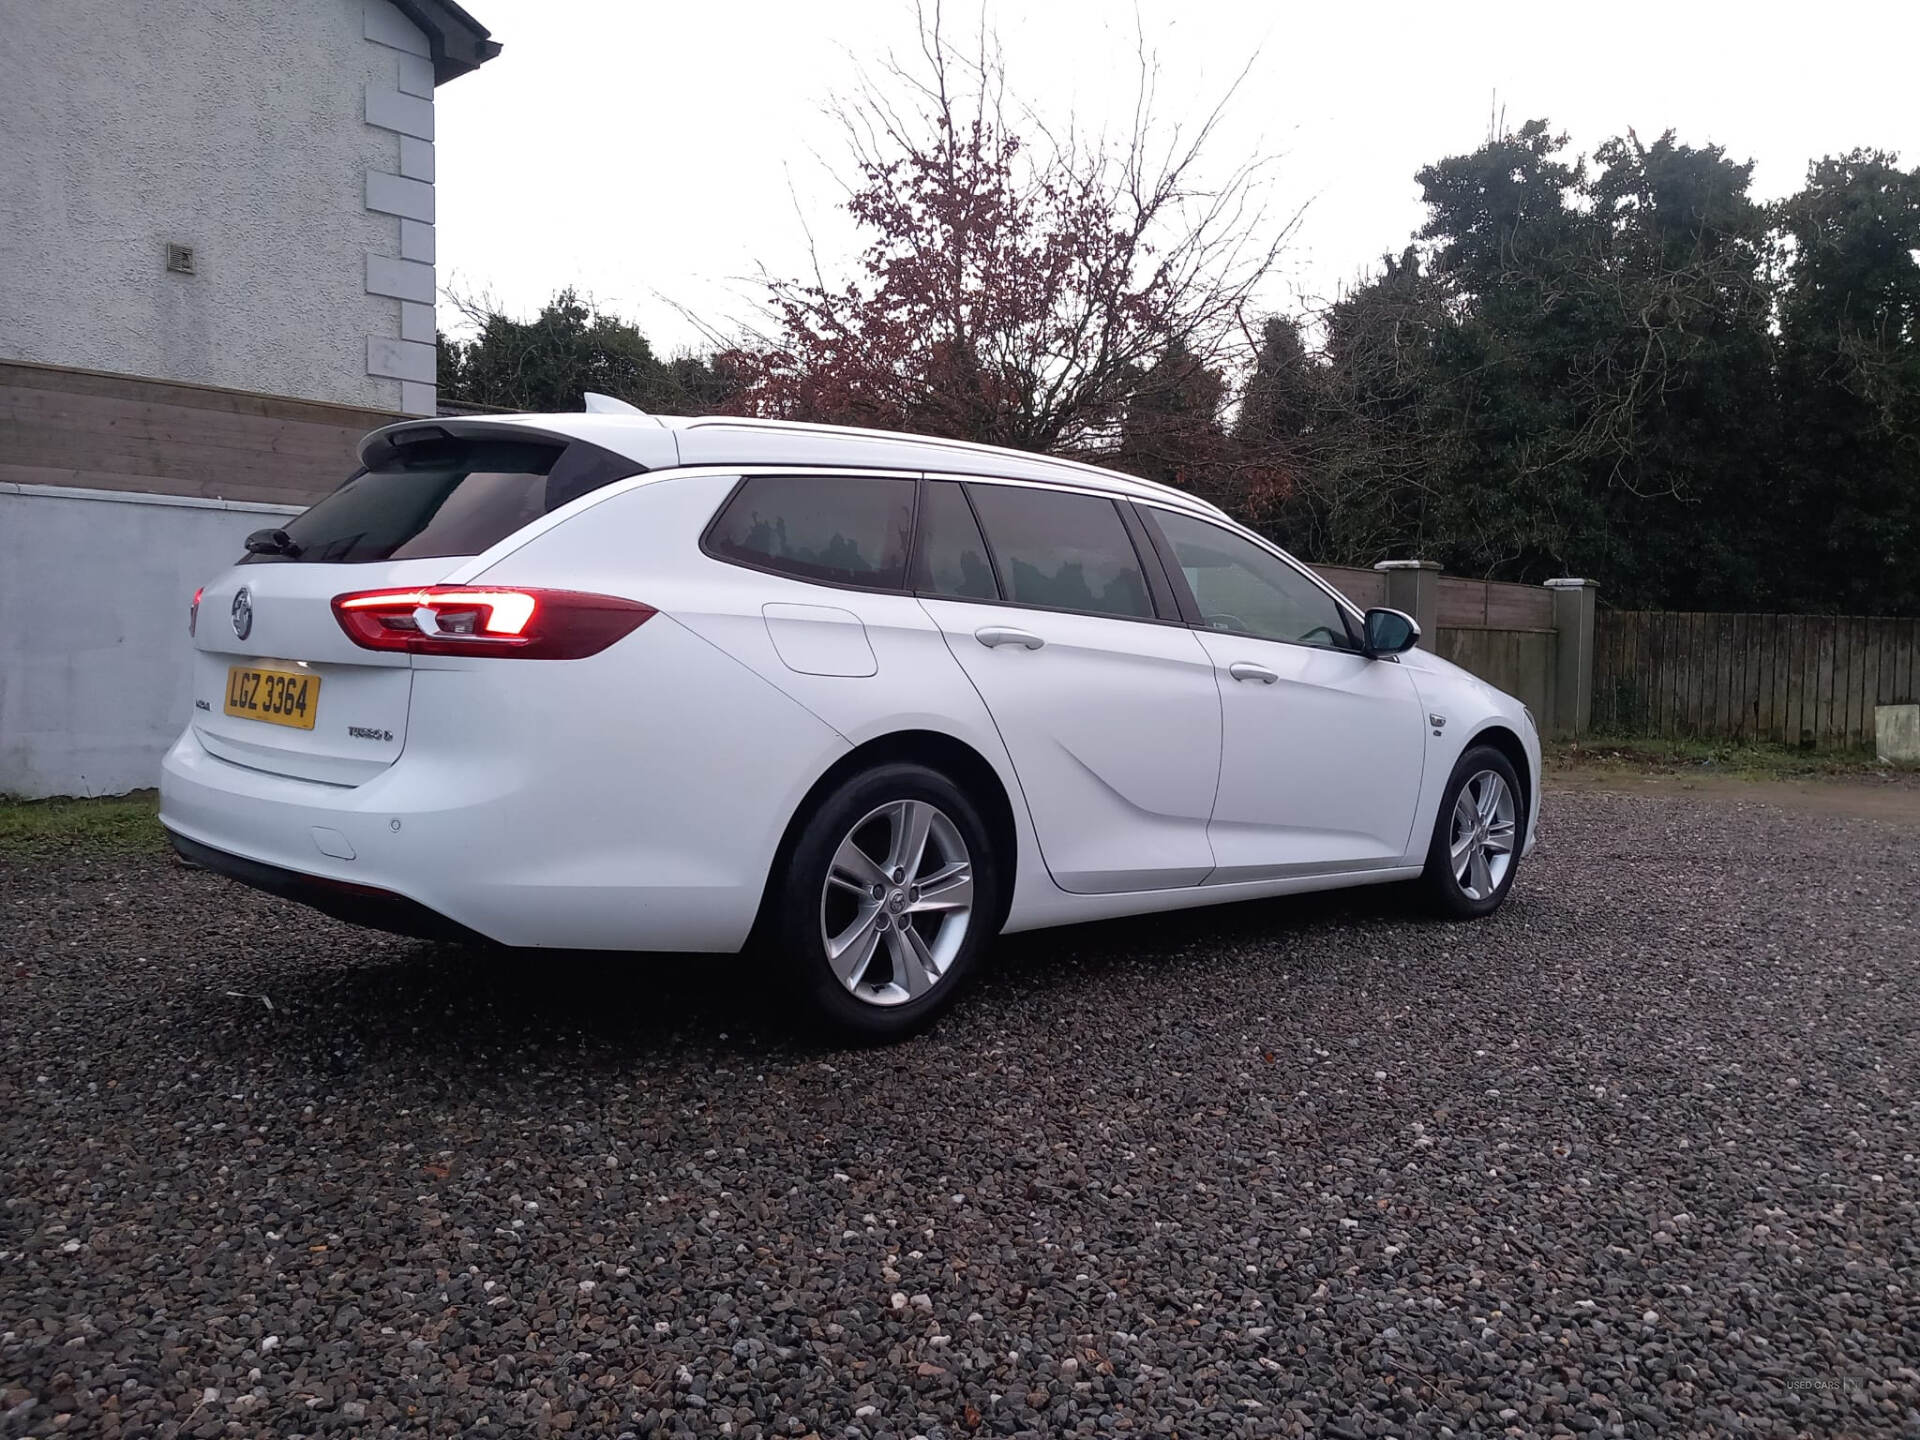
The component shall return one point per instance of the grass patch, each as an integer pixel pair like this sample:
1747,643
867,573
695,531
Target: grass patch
1643,754
119,825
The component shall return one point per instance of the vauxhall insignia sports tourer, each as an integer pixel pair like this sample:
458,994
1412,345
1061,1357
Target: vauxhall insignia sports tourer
863,701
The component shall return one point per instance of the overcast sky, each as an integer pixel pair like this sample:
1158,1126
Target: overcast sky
651,154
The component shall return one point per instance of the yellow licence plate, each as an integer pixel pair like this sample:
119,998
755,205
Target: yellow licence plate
279,697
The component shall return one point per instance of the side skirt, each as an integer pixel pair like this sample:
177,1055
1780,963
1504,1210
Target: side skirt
1063,908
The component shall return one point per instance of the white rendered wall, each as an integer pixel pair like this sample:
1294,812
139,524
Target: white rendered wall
288,142
94,588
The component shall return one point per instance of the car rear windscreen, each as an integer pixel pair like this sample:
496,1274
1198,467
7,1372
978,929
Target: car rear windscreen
445,497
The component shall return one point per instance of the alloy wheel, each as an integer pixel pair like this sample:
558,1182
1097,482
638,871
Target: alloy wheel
1480,847
897,902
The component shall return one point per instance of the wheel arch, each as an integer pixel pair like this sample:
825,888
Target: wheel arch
1499,737
952,757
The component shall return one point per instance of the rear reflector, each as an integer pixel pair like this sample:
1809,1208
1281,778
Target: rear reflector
193,613
482,620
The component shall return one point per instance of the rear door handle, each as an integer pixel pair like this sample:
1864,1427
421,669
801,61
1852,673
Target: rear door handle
1247,670
992,636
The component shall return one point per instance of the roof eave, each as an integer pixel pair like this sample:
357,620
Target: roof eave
457,41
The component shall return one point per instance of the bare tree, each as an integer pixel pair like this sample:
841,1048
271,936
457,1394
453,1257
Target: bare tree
1018,283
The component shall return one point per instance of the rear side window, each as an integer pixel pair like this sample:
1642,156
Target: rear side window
445,497
1062,551
949,556
841,529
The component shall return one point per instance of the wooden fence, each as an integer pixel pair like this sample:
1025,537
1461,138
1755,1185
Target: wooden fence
1795,679
1365,588
1464,604
1503,633
1493,605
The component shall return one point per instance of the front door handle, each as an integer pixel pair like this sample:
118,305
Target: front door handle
996,635
1247,670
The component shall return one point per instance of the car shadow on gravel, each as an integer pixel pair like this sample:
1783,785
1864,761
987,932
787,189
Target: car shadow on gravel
465,1011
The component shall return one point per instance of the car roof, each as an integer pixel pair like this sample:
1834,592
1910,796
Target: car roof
660,441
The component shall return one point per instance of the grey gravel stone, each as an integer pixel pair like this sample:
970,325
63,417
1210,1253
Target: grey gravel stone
1636,1157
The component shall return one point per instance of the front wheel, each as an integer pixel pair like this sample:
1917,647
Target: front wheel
886,901
1476,836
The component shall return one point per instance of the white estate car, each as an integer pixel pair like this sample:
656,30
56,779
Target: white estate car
622,682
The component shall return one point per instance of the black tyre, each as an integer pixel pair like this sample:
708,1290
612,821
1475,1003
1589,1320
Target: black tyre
1475,852
888,895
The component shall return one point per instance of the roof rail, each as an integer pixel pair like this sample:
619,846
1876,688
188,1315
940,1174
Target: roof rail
751,422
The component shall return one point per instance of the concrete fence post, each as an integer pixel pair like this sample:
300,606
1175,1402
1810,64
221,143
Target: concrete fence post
1414,587
1573,604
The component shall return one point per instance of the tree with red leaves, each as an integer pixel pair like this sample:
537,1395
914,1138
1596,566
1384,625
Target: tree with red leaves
1018,287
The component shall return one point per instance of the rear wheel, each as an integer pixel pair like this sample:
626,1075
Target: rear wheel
886,901
1476,836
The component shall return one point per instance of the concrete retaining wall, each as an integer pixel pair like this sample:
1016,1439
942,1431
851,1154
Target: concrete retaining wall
94,589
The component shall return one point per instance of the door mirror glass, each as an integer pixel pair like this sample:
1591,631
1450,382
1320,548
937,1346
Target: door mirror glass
1390,631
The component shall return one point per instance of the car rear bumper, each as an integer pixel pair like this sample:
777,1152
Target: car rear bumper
343,899
631,800
520,844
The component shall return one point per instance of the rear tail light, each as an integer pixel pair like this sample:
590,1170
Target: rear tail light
193,612
480,620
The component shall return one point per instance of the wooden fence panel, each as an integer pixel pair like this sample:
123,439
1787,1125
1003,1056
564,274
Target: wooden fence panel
1520,662
1683,679
1365,588
1823,691
1462,602
1743,686
1728,709
1798,679
1518,607
1780,661
1844,708
1608,667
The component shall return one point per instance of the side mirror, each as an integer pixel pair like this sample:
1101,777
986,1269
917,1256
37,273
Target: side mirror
1388,632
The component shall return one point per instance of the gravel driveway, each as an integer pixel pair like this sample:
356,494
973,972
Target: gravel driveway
1637,1157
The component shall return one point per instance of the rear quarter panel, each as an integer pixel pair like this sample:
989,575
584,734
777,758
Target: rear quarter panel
636,796
641,541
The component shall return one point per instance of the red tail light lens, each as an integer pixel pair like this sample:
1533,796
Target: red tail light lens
193,612
481,620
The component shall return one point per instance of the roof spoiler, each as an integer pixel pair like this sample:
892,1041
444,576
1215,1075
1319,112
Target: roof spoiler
378,447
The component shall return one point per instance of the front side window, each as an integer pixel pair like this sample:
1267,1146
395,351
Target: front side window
840,529
1062,551
1243,590
442,497
949,556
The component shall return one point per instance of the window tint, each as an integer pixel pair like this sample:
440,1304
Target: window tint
846,530
445,497
1062,551
949,557
1244,590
